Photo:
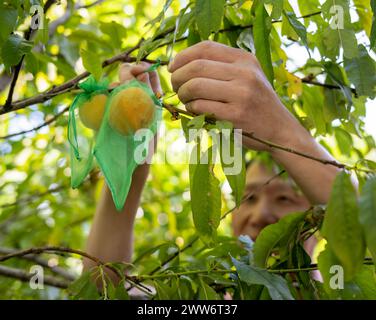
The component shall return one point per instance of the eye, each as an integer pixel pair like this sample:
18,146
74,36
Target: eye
253,199
284,199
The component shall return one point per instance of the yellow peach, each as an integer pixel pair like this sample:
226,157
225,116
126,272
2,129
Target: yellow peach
131,110
91,112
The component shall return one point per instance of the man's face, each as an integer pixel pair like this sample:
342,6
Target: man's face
268,204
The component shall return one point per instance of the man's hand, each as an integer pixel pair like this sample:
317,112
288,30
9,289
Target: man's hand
210,77
213,78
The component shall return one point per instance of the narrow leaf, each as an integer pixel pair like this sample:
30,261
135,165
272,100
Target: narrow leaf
276,285
271,235
362,73
209,14
261,31
367,215
91,63
206,199
341,226
298,27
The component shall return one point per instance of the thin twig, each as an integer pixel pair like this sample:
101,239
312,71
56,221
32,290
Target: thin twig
33,197
26,276
34,258
174,111
44,124
57,250
325,85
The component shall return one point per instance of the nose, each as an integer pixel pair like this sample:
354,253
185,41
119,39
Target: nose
263,213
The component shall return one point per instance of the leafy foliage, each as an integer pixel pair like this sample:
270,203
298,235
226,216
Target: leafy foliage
184,248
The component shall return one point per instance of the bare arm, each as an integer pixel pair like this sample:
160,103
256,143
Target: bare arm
111,234
212,78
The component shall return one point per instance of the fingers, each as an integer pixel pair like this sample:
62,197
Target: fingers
155,83
202,68
209,50
203,88
208,106
128,72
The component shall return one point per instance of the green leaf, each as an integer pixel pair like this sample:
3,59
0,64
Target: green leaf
369,164
121,292
193,37
367,215
149,46
333,280
362,73
230,164
261,32
271,236
80,34
91,63
42,33
341,226
336,76
161,14
184,126
166,251
31,63
185,22
245,40
335,38
209,14
276,285
181,288
64,68
197,122
8,20
344,141
337,35
363,286
14,48
298,27
206,292
163,290
84,287
367,282
277,8
206,199
115,31
313,104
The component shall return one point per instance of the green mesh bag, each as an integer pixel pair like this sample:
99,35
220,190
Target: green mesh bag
81,138
114,152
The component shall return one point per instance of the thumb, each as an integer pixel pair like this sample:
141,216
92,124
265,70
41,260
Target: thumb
125,73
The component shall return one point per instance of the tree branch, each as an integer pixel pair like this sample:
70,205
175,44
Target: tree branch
124,57
46,123
176,111
308,80
16,71
26,276
59,250
33,258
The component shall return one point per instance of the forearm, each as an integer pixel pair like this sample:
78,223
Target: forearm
314,178
111,234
